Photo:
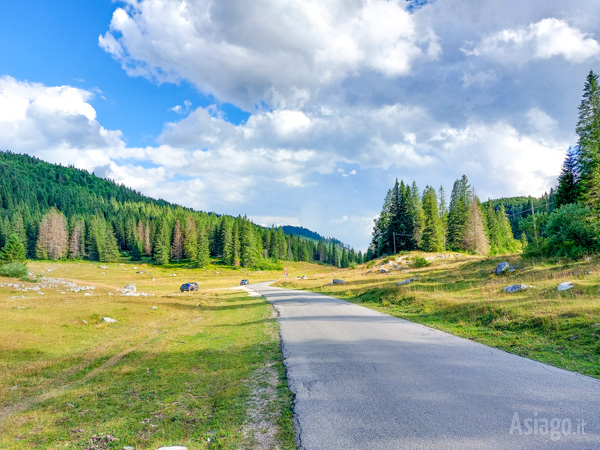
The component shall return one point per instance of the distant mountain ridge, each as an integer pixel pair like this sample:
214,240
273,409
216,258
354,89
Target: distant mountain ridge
305,232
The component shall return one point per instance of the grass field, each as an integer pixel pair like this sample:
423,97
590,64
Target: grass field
199,369
465,297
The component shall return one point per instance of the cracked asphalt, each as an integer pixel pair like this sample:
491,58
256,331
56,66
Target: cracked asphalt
364,380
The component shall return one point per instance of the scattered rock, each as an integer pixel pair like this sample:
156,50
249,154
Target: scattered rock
71,405
141,271
383,270
304,277
564,286
338,281
84,322
368,272
129,288
109,320
154,307
173,447
87,293
173,275
575,336
401,283
502,267
102,441
516,288
14,388
104,267
134,268
127,447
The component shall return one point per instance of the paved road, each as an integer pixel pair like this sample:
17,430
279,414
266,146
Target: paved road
364,380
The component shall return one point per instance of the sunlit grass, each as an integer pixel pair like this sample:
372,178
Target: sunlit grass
177,368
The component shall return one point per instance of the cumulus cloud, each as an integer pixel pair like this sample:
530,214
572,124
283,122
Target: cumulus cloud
279,52
545,39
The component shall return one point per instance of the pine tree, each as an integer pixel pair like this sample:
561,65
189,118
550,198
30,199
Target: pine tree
177,243
138,249
18,228
202,258
248,251
432,230
475,239
416,211
588,130
110,249
460,202
568,181
13,250
190,242
53,237
161,244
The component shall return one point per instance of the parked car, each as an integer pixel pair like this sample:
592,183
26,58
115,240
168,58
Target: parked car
244,282
188,287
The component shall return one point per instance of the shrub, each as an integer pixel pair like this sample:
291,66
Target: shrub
14,270
353,265
418,261
571,232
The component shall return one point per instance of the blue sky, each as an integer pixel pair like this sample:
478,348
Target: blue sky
298,113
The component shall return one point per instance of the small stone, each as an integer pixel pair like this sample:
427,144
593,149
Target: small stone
154,307
129,288
502,267
71,405
127,447
84,322
338,281
104,267
575,336
564,286
401,283
173,447
383,270
87,293
14,388
516,288
109,320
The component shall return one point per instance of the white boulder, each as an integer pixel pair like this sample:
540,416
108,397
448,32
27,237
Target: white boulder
564,286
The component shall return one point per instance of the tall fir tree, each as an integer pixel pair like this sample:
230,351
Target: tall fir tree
190,241
202,258
568,181
161,247
13,250
458,214
588,130
432,231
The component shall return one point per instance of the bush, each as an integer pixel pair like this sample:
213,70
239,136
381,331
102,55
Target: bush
353,265
571,233
418,261
14,270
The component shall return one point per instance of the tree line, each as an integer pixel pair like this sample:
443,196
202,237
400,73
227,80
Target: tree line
411,220
56,212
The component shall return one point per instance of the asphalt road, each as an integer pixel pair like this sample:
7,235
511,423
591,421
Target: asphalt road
364,380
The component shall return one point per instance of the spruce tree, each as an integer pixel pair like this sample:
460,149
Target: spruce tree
432,230
13,250
588,130
202,258
110,249
161,248
249,255
416,211
458,214
190,242
568,181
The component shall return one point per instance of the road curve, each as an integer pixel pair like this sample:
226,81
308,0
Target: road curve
365,380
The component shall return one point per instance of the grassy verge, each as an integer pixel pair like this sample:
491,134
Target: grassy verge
465,297
200,369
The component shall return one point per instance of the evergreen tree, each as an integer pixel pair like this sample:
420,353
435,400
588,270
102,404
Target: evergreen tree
417,214
161,248
588,130
18,228
147,242
568,181
138,249
13,250
458,214
202,258
110,249
432,230
190,242
248,247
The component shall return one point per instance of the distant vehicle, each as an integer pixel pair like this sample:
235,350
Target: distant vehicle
188,287
244,282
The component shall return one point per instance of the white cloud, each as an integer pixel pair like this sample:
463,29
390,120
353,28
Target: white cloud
545,39
280,52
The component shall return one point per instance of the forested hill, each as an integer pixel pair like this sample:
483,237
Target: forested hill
63,212
305,232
